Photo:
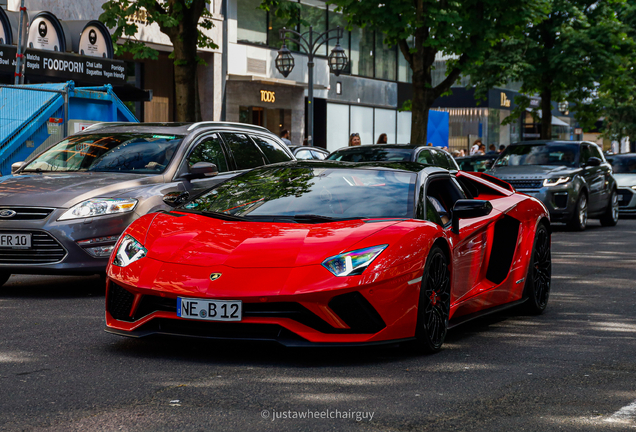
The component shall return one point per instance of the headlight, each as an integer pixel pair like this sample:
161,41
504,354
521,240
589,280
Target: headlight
129,251
555,181
633,187
99,207
354,262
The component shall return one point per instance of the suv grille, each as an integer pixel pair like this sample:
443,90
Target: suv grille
526,184
28,213
44,250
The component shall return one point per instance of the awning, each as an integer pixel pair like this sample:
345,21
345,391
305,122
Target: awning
555,120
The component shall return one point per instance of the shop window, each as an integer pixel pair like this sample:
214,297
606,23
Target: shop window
385,59
362,50
315,13
246,154
272,150
210,150
337,126
251,22
385,123
362,123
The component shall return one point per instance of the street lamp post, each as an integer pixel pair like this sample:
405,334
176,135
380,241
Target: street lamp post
309,42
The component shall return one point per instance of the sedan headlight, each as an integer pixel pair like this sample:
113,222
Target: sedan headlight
555,181
354,262
99,207
633,187
129,251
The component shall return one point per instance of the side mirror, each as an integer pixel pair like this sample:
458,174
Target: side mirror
469,209
201,170
594,162
15,167
174,199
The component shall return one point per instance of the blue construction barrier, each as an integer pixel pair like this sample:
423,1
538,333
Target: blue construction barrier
437,131
33,117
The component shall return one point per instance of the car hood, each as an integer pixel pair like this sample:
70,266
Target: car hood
205,241
64,190
625,180
531,171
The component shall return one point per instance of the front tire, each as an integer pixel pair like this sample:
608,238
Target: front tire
579,219
539,277
4,277
610,217
434,305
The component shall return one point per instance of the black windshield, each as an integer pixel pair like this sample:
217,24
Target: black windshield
623,165
141,153
540,154
312,194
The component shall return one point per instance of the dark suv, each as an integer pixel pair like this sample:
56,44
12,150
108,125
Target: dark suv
571,178
63,211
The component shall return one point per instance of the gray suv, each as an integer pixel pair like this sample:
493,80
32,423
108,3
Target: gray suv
571,178
62,211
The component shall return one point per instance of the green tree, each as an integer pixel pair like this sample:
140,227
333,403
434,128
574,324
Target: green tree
576,47
463,32
184,22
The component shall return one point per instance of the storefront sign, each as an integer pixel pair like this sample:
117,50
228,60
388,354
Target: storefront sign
65,66
535,102
578,131
504,101
268,96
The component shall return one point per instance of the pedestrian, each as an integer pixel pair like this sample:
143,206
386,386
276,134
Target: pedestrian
475,148
462,153
455,153
382,139
502,148
482,149
430,144
354,139
284,135
492,149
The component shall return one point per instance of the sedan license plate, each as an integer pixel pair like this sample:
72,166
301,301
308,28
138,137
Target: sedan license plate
210,310
15,241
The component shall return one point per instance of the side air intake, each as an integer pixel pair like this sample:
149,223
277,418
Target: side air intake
503,249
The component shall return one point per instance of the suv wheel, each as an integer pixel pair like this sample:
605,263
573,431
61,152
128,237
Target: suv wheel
610,217
579,219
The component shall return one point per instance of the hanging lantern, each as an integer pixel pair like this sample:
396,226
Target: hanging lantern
338,60
284,61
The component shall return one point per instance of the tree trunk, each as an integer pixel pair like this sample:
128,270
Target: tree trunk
422,102
546,114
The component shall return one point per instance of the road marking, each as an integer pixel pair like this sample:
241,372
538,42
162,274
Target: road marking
624,414
414,281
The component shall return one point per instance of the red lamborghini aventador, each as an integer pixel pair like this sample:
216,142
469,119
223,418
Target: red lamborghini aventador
332,253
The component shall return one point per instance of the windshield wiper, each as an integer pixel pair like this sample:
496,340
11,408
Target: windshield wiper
309,218
216,215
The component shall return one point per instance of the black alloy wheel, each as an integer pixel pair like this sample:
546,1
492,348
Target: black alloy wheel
610,217
434,304
538,279
579,218
4,277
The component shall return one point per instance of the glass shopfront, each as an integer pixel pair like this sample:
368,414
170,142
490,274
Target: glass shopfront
273,119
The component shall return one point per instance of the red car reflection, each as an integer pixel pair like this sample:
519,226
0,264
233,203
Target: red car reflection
332,253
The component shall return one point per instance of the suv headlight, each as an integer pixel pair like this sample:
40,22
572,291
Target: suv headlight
129,251
354,262
555,181
99,207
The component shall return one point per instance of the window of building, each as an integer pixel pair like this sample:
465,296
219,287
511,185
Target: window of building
338,20
315,13
362,52
385,59
251,22
405,73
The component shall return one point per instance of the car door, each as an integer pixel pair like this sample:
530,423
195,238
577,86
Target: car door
209,148
606,174
469,245
244,152
595,180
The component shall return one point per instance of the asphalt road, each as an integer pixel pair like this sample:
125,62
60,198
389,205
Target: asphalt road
572,368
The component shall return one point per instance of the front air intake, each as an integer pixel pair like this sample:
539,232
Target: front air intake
357,313
119,302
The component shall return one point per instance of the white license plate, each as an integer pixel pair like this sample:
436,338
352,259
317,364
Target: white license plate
210,310
15,241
